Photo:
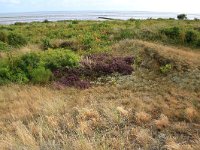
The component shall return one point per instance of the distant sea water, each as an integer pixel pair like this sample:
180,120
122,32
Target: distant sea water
10,18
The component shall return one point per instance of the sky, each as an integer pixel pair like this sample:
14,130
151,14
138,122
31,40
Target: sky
179,6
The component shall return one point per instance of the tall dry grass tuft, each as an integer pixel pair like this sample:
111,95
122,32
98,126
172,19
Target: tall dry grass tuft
25,135
142,117
142,136
162,122
191,114
122,111
172,145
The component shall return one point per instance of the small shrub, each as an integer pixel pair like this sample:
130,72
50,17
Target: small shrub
3,36
70,44
20,23
126,34
26,63
137,24
75,22
93,66
46,21
166,68
181,16
173,33
19,77
131,19
4,46
40,75
54,59
5,74
197,43
88,41
16,40
46,44
190,37
74,81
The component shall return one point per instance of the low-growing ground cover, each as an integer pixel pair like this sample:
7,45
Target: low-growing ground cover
84,85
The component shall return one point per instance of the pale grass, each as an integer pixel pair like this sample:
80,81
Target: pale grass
162,122
191,113
83,119
142,117
82,144
142,136
185,54
122,111
172,145
182,54
24,135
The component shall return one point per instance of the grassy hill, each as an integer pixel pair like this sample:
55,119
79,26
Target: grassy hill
100,85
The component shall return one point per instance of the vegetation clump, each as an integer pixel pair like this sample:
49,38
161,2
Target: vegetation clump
94,66
182,17
36,67
16,40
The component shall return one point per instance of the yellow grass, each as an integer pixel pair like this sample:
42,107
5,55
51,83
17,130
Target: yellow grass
140,111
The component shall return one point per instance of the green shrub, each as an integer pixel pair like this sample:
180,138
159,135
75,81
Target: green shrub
46,21
137,24
124,34
197,43
40,75
4,46
16,40
88,41
35,67
181,16
26,63
3,36
190,37
173,33
46,44
54,59
75,22
166,68
5,74
19,77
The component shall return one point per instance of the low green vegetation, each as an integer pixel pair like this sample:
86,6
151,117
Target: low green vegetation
84,38
166,68
35,67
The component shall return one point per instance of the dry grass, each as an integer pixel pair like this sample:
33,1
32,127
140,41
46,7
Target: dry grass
141,111
142,117
162,122
184,54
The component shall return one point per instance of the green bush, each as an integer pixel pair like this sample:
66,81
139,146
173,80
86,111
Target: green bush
35,67
5,74
173,32
19,77
40,75
166,68
197,43
88,41
4,46
181,16
46,44
54,59
16,40
27,63
190,37
3,36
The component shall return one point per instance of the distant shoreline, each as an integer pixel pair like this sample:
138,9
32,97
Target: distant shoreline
11,18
